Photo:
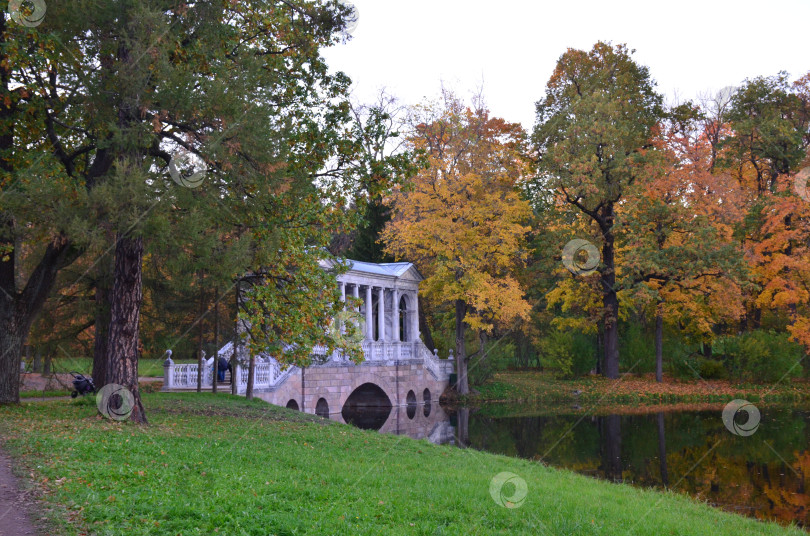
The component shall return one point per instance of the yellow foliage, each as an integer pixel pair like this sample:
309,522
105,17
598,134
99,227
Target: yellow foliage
462,220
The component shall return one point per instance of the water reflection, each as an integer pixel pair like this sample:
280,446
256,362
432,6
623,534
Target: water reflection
429,422
762,475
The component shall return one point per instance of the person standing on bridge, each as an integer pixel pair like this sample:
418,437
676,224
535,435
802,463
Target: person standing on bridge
223,366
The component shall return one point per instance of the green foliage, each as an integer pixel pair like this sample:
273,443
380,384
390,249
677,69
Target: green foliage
567,354
500,354
712,369
760,356
637,348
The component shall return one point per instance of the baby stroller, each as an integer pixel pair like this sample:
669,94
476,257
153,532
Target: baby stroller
82,385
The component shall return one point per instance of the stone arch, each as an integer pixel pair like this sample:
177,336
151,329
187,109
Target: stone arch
290,391
368,407
368,377
410,401
426,401
322,408
292,404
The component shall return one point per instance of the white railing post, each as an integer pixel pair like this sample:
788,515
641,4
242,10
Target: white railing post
168,372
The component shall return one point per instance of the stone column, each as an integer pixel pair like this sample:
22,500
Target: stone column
342,291
381,313
395,323
356,295
415,321
369,315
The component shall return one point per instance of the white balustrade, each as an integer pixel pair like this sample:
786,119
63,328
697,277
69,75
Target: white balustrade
269,373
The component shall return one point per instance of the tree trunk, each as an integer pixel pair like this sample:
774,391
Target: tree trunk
237,341
200,358
482,354
101,329
610,302
46,362
11,342
659,344
600,348
234,359
126,298
36,366
18,310
462,384
251,376
424,328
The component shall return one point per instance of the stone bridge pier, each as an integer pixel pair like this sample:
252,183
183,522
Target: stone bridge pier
325,389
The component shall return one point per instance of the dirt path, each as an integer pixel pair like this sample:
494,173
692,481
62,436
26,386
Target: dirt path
14,503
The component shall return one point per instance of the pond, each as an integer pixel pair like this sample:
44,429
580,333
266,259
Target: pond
762,475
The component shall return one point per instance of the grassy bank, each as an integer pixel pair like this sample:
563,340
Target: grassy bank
209,465
534,386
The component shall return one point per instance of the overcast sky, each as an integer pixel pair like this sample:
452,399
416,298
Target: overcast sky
512,46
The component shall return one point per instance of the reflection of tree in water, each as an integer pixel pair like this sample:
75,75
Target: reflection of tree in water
690,449
662,450
610,432
463,427
526,435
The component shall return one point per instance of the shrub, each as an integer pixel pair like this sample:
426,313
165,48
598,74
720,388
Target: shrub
760,356
712,369
567,354
636,349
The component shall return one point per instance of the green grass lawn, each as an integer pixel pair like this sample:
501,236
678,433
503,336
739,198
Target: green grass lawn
43,394
222,465
84,365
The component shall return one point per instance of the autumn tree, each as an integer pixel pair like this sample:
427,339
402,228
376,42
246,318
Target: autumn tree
678,252
593,135
461,220
765,148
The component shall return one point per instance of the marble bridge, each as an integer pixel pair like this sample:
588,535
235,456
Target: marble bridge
398,373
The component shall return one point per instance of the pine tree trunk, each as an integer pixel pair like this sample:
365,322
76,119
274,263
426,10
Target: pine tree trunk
216,339
611,303
237,340
126,298
101,331
659,344
462,383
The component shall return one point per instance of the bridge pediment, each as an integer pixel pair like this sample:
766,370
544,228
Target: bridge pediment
404,272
